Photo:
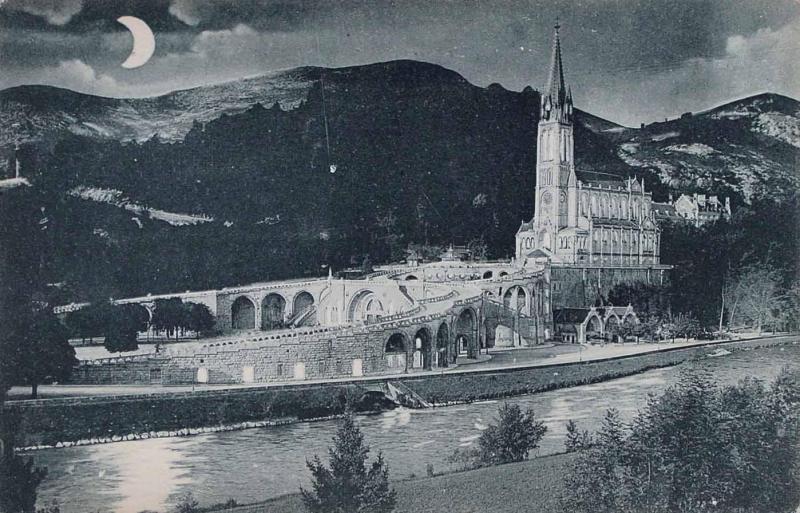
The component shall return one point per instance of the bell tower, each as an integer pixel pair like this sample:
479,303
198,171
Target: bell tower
555,167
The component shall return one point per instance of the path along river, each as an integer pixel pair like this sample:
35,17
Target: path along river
256,464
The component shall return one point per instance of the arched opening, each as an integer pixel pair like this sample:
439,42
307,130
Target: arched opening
487,275
516,298
302,309
411,277
612,328
594,328
422,349
442,345
365,307
273,312
243,314
503,273
395,351
466,333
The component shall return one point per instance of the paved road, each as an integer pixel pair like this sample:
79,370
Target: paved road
498,358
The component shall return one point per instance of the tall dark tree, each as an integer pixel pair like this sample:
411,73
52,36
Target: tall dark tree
201,320
170,315
347,486
46,355
697,447
122,326
19,478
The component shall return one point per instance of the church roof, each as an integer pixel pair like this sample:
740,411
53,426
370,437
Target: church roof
538,253
526,227
664,209
569,315
597,178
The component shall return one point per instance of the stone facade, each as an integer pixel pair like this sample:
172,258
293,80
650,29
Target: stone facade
697,209
582,217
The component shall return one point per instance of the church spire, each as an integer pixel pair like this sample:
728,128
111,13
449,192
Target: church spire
556,100
555,82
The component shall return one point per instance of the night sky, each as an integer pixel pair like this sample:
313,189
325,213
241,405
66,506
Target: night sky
630,61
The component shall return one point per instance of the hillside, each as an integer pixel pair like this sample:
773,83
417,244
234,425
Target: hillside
238,182
748,148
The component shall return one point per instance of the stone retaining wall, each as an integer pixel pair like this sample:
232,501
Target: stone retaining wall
48,422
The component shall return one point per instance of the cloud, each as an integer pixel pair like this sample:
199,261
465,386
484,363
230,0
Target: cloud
77,75
186,11
56,12
763,61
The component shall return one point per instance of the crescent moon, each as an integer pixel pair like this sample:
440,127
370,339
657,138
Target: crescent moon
144,43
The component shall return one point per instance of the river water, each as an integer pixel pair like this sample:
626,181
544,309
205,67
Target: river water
256,464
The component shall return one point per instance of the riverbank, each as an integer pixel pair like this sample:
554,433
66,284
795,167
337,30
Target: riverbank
532,485
253,465
90,420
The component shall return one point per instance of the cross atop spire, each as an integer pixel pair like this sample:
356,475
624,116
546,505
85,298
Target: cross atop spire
555,96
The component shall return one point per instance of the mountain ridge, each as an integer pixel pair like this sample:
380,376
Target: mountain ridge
261,177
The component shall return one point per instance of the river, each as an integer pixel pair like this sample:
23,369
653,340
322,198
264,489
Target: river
256,464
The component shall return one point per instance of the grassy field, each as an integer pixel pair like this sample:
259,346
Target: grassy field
533,486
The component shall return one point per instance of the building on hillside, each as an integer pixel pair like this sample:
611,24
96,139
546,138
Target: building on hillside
590,230
698,209
582,217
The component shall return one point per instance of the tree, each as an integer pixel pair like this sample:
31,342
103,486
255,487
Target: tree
122,326
512,438
201,320
169,315
575,439
697,447
648,300
593,481
684,325
477,249
347,486
47,354
19,479
758,295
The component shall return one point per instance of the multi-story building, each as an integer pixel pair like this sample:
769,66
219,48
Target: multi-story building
698,209
582,217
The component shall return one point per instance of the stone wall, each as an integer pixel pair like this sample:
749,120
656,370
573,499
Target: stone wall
300,354
577,287
46,422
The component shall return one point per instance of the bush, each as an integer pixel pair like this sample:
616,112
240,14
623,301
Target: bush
576,440
187,504
347,486
697,447
511,439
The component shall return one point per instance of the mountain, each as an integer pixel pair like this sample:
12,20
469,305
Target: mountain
748,148
276,175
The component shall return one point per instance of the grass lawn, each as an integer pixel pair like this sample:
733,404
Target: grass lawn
533,486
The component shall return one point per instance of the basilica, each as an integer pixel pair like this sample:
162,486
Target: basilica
582,217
